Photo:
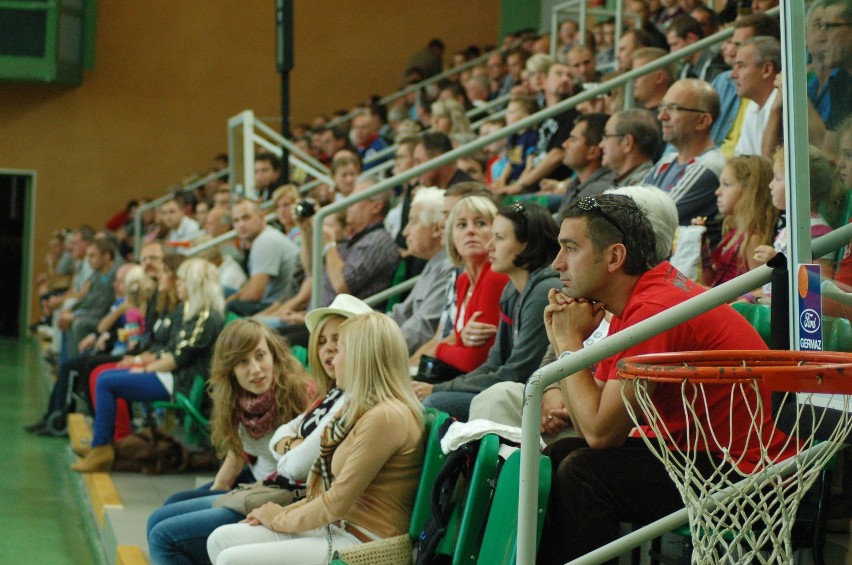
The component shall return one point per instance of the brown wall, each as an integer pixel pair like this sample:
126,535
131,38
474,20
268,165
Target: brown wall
169,74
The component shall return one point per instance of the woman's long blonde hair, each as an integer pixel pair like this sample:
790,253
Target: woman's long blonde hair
376,366
238,340
204,291
754,212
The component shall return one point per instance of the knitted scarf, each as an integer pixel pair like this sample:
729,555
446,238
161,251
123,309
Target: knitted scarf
257,413
333,434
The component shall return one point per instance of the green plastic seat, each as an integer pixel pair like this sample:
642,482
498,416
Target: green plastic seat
398,278
301,353
499,545
836,332
433,460
196,426
231,316
472,514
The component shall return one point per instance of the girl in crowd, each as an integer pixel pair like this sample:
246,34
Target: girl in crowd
478,288
823,185
285,199
744,199
345,168
188,354
448,117
362,486
523,245
257,385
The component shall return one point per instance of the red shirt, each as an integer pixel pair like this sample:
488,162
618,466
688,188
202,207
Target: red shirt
721,328
486,299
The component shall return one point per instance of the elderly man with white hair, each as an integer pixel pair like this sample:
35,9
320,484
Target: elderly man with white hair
418,315
502,403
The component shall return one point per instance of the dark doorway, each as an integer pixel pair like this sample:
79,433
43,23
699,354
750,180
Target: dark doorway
15,248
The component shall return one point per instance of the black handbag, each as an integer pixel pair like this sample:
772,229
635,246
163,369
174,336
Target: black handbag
433,371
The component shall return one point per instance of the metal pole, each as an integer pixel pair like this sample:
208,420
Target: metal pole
797,171
247,127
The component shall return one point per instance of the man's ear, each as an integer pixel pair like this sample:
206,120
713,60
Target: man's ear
595,153
617,256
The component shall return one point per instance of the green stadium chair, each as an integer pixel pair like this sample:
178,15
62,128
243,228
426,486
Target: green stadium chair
195,425
499,545
301,353
230,317
836,332
398,278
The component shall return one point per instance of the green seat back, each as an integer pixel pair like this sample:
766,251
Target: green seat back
472,515
433,460
301,353
499,545
230,317
398,278
195,425
836,334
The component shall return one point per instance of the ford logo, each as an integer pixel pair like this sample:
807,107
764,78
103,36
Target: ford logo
809,320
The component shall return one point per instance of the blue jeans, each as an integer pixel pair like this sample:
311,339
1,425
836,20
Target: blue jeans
177,533
456,404
121,383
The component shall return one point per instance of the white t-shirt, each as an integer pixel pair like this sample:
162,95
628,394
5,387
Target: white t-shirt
754,124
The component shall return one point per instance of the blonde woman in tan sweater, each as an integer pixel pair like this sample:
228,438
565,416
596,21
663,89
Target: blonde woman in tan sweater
362,486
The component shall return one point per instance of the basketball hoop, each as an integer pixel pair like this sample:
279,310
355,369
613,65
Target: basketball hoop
744,511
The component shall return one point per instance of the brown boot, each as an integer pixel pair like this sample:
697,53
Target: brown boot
82,450
99,459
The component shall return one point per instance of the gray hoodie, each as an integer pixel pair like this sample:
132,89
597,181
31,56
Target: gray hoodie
521,338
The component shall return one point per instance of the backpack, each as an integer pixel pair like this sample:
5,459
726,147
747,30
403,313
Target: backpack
450,490
152,452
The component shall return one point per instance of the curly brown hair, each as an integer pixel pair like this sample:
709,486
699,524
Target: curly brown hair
293,394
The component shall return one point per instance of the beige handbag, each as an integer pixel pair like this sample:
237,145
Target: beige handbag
248,496
389,551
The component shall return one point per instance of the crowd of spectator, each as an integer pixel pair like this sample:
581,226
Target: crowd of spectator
526,249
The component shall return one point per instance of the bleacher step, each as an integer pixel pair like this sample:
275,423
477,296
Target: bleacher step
130,555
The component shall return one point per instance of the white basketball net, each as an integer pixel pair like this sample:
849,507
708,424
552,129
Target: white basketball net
751,519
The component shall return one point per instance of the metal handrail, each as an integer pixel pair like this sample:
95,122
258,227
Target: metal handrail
580,7
470,113
611,345
306,158
384,295
424,83
137,217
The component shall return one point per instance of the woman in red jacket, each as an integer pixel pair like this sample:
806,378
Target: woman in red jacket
478,289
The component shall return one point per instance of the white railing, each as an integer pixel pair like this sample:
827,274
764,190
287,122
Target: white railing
245,134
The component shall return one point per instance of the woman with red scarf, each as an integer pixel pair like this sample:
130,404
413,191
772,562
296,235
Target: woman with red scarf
256,385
